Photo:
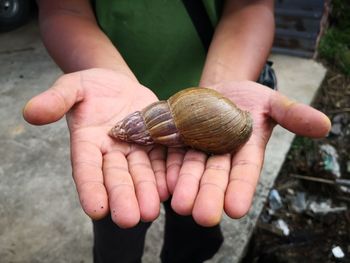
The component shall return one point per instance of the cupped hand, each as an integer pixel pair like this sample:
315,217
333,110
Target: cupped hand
205,186
110,176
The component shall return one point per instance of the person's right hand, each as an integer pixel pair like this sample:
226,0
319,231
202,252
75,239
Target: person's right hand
110,175
205,186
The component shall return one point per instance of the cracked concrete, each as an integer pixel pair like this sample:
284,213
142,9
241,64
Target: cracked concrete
40,216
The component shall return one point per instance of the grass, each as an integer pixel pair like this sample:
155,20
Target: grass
334,45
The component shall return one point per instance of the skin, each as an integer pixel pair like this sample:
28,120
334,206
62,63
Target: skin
99,89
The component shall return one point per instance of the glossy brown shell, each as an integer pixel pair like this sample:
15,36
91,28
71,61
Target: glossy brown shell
197,117
215,125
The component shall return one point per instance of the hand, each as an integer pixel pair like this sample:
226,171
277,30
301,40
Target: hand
204,185
110,175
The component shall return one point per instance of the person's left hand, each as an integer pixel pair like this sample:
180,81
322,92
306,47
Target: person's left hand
205,185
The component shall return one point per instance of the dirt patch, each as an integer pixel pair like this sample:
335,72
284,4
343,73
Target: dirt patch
307,219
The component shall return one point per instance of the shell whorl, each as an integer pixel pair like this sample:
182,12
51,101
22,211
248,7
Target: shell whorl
160,124
154,124
132,129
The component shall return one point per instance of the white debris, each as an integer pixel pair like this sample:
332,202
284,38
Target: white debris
338,252
275,200
330,159
282,225
290,191
298,202
325,207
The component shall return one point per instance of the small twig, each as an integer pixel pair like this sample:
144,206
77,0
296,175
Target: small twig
343,182
313,179
330,80
343,198
16,50
339,110
286,185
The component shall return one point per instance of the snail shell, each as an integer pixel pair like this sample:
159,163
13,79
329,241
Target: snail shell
197,117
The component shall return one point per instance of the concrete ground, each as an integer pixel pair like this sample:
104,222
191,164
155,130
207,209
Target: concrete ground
40,216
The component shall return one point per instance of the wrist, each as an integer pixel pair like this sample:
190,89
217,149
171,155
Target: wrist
217,73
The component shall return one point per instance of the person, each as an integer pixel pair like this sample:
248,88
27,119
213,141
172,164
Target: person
116,57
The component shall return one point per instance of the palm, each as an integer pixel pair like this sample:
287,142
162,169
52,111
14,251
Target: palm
102,105
205,186
255,99
110,175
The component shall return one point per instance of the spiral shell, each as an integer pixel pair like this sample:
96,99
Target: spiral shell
197,117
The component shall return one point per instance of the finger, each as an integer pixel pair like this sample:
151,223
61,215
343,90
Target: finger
123,203
245,170
157,156
87,174
52,104
173,165
298,118
187,185
209,204
145,183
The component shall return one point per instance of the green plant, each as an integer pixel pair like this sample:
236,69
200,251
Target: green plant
334,45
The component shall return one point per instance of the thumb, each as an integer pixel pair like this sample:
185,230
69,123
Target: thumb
53,104
298,118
